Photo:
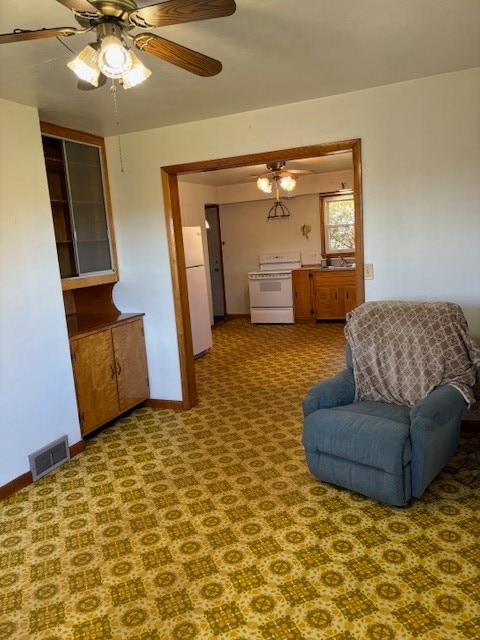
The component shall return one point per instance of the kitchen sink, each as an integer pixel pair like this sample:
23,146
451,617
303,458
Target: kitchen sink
342,267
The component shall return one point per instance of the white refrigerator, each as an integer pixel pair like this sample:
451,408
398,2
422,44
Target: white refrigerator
197,290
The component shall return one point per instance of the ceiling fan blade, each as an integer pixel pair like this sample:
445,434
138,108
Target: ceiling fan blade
301,172
80,5
181,11
83,85
174,53
20,34
299,167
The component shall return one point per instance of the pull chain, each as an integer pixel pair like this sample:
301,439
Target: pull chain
113,90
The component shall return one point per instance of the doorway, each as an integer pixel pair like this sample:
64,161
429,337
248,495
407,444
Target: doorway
174,235
214,241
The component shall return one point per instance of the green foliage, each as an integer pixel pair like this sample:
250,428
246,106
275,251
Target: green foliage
341,225
341,212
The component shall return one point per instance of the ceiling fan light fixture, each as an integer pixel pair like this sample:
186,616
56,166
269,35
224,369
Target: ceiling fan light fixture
85,65
114,59
276,178
136,74
113,20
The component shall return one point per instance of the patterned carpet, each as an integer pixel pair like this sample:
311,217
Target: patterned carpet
206,524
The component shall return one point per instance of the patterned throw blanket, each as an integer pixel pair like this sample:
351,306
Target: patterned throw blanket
403,350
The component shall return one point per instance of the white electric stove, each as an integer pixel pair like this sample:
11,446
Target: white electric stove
271,295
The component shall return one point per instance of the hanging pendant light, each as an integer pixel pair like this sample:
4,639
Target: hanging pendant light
278,211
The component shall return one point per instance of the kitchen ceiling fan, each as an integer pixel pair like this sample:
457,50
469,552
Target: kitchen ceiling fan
113,20
289,166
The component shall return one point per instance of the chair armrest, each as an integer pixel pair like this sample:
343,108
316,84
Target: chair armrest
434,432
440,405
333,392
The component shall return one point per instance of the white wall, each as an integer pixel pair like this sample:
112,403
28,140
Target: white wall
421,194
37,396
193,198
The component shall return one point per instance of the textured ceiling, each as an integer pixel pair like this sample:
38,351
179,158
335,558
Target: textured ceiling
273,52
299,168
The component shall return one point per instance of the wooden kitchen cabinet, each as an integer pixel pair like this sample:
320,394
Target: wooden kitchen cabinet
323,295
107,347
109,365
131,363
334,294
302,294
349,298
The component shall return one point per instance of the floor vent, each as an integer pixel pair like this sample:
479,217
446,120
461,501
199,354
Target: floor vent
49,458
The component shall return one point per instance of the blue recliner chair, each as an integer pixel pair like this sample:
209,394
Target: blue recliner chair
381,449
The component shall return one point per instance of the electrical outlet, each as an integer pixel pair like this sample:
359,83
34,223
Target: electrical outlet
368,271
311,258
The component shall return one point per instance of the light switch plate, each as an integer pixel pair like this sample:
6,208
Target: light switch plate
368,271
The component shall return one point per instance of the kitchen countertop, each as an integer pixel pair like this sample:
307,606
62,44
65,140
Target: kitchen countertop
318,267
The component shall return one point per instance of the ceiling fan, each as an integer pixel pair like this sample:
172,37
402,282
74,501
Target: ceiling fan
286,167
113,20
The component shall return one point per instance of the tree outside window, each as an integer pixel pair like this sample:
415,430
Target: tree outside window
338,225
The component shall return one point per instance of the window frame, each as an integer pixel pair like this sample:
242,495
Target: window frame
324,199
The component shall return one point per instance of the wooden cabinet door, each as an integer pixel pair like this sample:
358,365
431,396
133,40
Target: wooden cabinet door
328,303
350,298
302,294
334,294
95,380
130,363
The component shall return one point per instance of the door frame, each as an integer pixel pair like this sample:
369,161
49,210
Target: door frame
169,175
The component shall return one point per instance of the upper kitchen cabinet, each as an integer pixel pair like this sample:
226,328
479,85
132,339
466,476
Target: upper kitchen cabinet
80,201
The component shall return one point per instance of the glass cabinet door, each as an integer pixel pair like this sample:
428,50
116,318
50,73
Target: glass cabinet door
87,208
59,202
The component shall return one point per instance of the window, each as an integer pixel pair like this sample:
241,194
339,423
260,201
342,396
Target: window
337,225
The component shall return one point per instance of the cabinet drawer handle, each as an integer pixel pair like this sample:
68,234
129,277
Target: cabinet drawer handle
119,368
112,371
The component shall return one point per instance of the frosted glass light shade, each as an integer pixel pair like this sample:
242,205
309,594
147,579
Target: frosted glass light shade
136,74
287,182
114,60
85,65
264,184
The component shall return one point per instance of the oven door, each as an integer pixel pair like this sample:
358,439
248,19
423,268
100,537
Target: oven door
271,292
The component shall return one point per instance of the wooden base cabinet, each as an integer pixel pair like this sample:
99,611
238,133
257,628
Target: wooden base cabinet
334,294
110,368
302,294
323,295
349,298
